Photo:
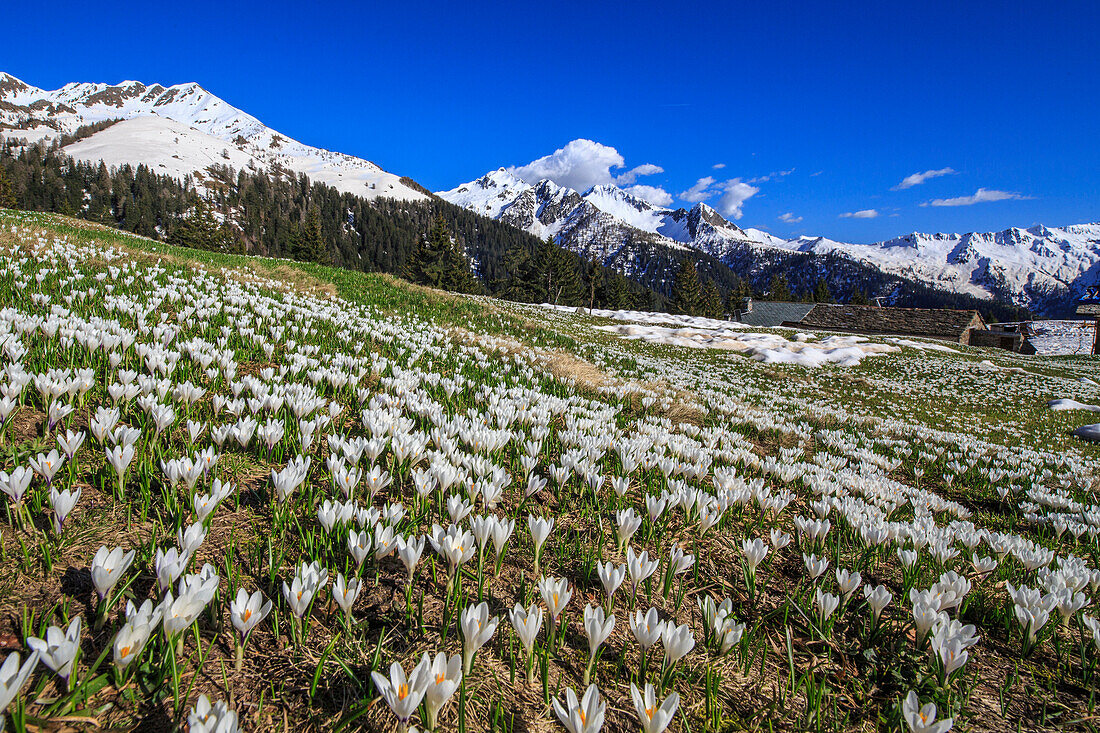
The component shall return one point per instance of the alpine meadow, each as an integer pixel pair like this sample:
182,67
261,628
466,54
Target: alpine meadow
664,425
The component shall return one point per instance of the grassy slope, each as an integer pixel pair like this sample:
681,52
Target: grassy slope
932,391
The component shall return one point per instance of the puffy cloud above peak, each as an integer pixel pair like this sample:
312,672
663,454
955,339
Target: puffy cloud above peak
653,194
581,164
861,214
700,191
645,169
732,194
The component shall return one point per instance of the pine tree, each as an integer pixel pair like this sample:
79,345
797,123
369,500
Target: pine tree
7,195
441,262
822,294
779,289
313,247
556,272
616,292
687,293
457,275
712,301
425,266
197,227
857,297
594,274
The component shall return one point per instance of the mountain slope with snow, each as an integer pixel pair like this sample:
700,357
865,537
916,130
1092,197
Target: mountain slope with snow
179,130
1042,268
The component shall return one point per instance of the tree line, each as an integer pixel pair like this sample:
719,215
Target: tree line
283,214
280,213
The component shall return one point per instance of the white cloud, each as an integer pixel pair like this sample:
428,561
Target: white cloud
770,176
582,164
918,178
645,169
861,214
718,166
982,195
699,191
653,194
732,194
736,193
789,218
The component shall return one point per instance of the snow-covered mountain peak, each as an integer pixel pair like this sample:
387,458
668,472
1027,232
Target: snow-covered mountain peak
1042,268
215,132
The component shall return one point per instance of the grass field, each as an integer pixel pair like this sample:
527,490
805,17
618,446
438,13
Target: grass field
239,491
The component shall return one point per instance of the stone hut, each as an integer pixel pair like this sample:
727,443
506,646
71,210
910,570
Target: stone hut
938,323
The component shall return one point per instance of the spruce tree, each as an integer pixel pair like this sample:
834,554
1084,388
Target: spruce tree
457,275
822,294
313,247
556,269
712,301
779,289
594,274
687,293
7,195
425,266
617,292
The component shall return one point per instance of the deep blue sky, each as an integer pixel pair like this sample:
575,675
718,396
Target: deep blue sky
850,99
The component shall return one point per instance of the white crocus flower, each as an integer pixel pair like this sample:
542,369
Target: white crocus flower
826,604
598,627
477,629
646,627
677,641
344,592
440,683
59,649
403,694
581,716
207,718
247,611
527,623
108,568
878,598
923,719
654,716
13,677
611,577
639,567
540,530
62,503
847,582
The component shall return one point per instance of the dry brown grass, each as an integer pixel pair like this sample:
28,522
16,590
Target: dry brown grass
301,281
584,374
428,292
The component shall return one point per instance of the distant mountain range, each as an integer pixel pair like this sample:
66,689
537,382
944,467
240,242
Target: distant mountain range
180,130
1042,268
184,130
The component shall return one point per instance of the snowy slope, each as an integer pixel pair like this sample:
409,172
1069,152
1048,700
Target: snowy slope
1042,268
1029,267
209,130
166,146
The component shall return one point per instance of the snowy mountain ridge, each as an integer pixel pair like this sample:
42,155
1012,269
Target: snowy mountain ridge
1041,268
178,130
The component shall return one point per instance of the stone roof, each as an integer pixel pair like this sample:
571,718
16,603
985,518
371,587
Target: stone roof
773,313
929,322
